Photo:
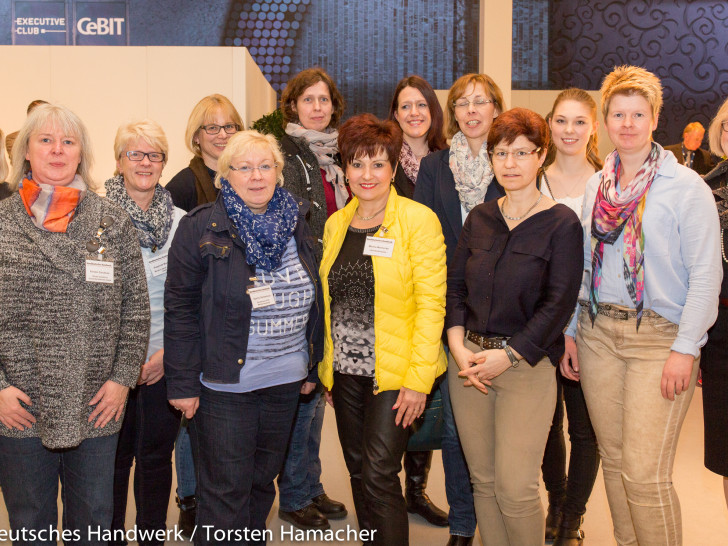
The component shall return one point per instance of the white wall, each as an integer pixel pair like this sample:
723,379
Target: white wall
107,86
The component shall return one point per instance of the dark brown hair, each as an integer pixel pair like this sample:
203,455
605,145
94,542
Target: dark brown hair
366,135
435,136
302,81
516,122
592,147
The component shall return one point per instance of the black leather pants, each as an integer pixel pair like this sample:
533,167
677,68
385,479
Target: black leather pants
373,447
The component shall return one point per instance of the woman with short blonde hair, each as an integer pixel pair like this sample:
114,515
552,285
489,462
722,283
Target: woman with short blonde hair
236,266
651,280
148,433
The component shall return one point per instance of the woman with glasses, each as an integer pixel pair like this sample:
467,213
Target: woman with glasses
312,107
75,323
151,424
213,121
511,287
211,124
648,296
572,158
383,349
242,332
715,353
451,182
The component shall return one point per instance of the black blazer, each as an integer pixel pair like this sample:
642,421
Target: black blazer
702,161
436,188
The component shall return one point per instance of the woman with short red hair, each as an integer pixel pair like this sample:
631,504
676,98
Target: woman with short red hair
512,285
383,278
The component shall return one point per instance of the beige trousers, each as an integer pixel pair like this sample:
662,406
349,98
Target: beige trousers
504,435
637,429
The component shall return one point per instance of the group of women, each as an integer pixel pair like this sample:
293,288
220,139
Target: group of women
364,266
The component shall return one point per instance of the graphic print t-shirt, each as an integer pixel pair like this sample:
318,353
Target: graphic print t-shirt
351,286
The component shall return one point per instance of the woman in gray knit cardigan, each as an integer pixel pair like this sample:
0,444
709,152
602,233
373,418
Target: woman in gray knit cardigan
75,323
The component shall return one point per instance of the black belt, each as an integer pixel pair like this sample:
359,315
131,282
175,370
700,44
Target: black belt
484,342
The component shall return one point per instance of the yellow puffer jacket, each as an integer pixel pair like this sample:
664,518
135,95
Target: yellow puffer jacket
409,295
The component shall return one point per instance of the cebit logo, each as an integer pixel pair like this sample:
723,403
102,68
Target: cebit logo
102,26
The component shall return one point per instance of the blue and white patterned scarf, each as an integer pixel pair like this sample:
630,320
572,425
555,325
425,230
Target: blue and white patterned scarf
265,235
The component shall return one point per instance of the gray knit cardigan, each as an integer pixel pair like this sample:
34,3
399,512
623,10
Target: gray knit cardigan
62,338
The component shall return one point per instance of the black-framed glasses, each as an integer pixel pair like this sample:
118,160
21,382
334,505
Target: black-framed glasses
230,128
247,170
154,157
518,155
724,126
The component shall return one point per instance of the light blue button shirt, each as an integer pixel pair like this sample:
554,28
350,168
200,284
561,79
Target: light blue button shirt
153,262
682,256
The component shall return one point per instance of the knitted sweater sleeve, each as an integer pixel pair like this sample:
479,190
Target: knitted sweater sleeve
131,346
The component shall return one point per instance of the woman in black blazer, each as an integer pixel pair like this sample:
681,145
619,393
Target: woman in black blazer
418,112
451,182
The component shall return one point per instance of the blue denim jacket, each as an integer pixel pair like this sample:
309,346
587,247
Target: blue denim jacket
207,310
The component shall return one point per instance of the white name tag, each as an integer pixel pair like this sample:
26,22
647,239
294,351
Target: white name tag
158,265
379,246
261,296
100,271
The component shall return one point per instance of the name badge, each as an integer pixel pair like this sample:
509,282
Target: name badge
261,296
100,271
379,246
158,265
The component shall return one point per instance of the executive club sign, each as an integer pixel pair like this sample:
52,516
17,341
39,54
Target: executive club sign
43,22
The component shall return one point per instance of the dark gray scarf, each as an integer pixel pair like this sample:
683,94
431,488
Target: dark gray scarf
153,224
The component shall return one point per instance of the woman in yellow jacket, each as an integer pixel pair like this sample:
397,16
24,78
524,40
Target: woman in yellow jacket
383,276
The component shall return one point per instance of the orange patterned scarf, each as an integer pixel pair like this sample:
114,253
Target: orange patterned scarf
51,208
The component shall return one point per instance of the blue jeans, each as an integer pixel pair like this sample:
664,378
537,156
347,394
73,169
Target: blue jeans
458,489
29,476
239,441
147,435
183,463
300,480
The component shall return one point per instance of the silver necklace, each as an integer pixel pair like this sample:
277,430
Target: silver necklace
365,218
722,246
516,218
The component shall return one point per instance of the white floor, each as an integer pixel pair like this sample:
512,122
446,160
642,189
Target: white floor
705,517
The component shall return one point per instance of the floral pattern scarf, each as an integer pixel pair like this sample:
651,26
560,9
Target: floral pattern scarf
154,224
410,163
615,214
265,235
472,175
51,208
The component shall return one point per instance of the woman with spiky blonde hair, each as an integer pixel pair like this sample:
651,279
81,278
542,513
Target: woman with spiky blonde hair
651,281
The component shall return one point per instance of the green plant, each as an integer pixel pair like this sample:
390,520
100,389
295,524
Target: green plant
270,124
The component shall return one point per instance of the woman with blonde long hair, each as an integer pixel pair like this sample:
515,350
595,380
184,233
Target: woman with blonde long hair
572,157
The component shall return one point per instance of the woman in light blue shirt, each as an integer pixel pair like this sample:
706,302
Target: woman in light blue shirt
150,425
649,294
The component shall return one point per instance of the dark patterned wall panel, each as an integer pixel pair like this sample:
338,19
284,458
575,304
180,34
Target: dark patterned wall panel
366,46
530,65
684,43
